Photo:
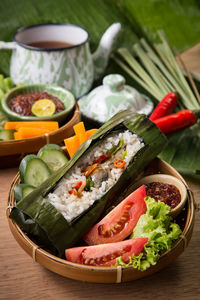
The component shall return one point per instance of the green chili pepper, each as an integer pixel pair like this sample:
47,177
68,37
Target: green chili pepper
124,154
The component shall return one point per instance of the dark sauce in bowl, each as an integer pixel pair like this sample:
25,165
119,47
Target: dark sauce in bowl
22,104
167,193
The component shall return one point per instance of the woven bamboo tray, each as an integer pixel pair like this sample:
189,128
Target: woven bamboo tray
108,274
11,152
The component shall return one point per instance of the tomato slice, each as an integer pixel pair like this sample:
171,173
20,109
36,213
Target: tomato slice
120,222
106,254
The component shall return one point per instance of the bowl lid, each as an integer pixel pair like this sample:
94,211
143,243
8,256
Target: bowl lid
106,100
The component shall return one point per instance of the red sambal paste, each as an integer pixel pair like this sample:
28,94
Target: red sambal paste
22,104
167,193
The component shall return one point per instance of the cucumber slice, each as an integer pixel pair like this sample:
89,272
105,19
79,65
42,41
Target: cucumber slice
22,190
53,156
6,134
33,170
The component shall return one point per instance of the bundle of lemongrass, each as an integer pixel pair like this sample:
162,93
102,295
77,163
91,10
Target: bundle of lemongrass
156,69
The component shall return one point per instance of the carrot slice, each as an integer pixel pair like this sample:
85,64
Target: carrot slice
90,132
25,133
17,136
72,144
80,132
50,125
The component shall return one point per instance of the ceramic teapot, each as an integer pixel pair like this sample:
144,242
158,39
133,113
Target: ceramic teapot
59,54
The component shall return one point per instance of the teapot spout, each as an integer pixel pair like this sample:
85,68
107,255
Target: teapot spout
101,55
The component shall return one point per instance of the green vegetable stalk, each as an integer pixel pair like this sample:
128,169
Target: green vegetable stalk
157,226
5,85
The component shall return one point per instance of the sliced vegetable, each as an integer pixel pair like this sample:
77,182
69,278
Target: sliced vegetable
101,159
120,221
51,125
78,188
43,108
116,148
90,132
80,132
105,255
124,154
6,135
157,226
74,192
22,190
120,164
24,132
78,185
53,156
72,144
17,136
176,122
165,106
33,170
90,169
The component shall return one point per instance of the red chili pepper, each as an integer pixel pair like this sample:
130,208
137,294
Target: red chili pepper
175,122
78,185
119,163
101,159
74,192
165,106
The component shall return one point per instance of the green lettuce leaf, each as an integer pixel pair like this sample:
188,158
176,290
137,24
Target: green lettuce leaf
157,226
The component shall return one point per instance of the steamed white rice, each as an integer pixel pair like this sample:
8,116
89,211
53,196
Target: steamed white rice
71,206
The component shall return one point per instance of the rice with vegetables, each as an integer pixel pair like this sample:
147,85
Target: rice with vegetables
94,174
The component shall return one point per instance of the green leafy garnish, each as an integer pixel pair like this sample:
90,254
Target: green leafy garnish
116,148
157,226
89,184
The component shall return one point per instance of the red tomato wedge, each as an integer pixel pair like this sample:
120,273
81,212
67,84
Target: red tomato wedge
120,221
106,254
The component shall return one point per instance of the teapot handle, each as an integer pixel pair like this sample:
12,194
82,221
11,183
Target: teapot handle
7,45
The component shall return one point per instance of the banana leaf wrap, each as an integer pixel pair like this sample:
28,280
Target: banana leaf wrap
62,234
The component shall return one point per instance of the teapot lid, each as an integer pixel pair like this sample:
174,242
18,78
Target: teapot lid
106,100
116,82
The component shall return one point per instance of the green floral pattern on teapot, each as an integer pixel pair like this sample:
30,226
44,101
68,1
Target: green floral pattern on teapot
65,68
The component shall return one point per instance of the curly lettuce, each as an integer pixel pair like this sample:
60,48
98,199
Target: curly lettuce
157,226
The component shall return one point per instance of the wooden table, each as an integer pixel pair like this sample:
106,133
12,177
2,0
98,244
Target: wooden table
21,278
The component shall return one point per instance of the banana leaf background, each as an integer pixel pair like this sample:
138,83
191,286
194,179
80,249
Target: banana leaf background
178,18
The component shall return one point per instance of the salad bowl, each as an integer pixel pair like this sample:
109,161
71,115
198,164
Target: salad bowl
11,152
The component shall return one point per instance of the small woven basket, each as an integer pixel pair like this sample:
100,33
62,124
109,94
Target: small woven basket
11,152
107,274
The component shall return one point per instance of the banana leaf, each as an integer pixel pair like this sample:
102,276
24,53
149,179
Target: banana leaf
182,151
170,15
62,234
173,16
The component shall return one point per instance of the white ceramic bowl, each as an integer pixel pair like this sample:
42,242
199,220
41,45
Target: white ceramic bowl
163,178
